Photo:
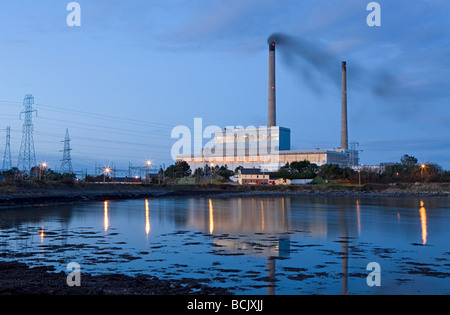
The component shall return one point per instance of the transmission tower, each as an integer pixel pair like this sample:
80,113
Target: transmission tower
353,158
7,157
27,157
66,162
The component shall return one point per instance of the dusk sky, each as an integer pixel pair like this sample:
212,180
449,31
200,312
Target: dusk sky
135,69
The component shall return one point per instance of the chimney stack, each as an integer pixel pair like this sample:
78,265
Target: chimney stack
344,129
272,106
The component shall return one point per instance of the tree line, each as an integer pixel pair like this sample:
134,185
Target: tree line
407,170
36,173
182,169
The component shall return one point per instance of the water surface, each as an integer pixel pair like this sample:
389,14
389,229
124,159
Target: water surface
249,245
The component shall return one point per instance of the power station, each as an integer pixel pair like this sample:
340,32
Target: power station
269,148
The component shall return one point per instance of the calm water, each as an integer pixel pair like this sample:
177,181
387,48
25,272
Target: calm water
250,245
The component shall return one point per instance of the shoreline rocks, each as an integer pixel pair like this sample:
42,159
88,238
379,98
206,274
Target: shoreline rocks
19,279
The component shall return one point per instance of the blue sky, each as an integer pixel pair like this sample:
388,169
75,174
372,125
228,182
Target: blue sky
135,69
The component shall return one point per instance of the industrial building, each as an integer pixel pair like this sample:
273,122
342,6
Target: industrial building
269,148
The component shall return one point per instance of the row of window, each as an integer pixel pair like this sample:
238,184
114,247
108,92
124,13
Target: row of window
234,139
246,176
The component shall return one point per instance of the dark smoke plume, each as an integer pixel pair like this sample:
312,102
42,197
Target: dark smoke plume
313,62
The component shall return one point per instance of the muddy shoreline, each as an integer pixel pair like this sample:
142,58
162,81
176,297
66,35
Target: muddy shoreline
19,279
32,195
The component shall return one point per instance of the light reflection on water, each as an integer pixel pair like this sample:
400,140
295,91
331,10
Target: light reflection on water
251,245
423,220
106,216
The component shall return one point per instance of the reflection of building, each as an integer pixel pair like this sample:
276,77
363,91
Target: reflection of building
240,215
269,217
260,227
234,223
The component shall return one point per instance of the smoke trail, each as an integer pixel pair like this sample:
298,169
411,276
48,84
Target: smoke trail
313,62
307,59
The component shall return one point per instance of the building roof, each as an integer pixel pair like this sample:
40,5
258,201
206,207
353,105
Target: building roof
253,171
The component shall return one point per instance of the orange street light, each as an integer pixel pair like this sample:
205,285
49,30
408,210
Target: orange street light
147,164
106,171
41,166
422,167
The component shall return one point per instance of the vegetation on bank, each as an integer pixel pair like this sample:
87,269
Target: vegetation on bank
36,173
406,171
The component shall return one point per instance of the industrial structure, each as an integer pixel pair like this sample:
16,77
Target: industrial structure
27,157
7,155
66,162
269,148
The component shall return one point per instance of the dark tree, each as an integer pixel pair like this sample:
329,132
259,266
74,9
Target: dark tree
198,173
182,169
408,161
224,172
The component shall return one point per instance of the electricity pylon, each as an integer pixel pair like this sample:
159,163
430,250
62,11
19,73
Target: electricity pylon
66,162
27,157
7,156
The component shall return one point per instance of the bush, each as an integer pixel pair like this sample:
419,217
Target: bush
297,170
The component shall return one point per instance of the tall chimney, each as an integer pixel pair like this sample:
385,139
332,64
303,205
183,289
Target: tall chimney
272,120
344,130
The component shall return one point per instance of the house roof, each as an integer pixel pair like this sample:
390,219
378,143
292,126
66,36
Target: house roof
253,171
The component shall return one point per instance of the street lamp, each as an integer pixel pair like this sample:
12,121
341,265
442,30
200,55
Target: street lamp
359,173
41,166
422,168
147,164
359,177
106,171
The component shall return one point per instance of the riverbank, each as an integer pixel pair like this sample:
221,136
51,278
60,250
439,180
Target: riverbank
19,279
35,193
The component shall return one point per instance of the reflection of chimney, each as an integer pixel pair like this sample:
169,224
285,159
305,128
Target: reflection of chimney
272,108
270,275
344,130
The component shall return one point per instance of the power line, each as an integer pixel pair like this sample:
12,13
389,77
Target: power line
105,116
108,129
158,131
